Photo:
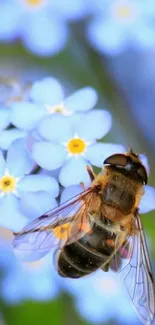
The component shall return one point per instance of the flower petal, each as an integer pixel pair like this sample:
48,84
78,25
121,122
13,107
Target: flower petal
47,155
55,128
35,204
4,117
2,164
94,125
70,192
148,200
98,152
82,100
10,215
106,37
144,37
74,12
38,182
36,36
9,17
25,115
73,172
18,160
47,91
8,136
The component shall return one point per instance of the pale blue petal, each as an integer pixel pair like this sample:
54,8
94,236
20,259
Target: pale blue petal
82,100
47,91
70,192
47,155
73,172
107,37
9,21
98,152
34,204
47,288
143,37
72,11
148,200
10,215
34,183
53,173
8,136
18,160
2,164
55,128
4,117
94,125
43,35
26,115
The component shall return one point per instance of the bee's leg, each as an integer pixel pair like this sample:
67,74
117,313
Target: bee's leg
91,173
105,267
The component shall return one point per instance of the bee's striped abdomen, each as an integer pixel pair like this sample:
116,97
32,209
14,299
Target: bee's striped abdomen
86,255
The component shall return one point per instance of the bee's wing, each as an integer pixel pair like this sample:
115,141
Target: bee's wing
138,278
56,228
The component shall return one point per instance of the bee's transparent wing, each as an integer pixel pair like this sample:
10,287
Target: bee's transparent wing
54,229
138,277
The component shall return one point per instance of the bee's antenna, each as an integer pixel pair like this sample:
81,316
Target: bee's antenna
130,150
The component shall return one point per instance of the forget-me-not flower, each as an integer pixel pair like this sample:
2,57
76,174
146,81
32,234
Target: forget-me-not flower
22,281
47,98
119,24
20,192
72,147
41,25
100,297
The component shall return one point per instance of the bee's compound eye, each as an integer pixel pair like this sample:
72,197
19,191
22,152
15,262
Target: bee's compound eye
117,160
143,174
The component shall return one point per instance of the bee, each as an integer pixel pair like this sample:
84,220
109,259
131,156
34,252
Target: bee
99,228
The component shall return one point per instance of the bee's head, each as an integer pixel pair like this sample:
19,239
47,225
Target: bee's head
128,164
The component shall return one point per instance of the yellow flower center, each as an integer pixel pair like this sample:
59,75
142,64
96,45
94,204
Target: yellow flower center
123,11
7,183
33,4
58,109
62,232
76,146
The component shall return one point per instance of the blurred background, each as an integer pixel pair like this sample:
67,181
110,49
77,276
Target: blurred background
108,45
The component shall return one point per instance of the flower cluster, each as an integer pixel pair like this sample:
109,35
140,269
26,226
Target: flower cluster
114,25
58,136
42,25
121,24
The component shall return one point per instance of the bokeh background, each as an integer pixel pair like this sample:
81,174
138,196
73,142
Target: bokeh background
108,45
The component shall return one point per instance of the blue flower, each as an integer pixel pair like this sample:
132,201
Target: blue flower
119,24
26,281
73,146
23,196
47,98
32,21
100,297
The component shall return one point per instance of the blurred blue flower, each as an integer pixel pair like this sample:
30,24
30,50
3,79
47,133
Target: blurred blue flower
100,297
22,195
72,147
47,98
32,20
119,24
22,281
